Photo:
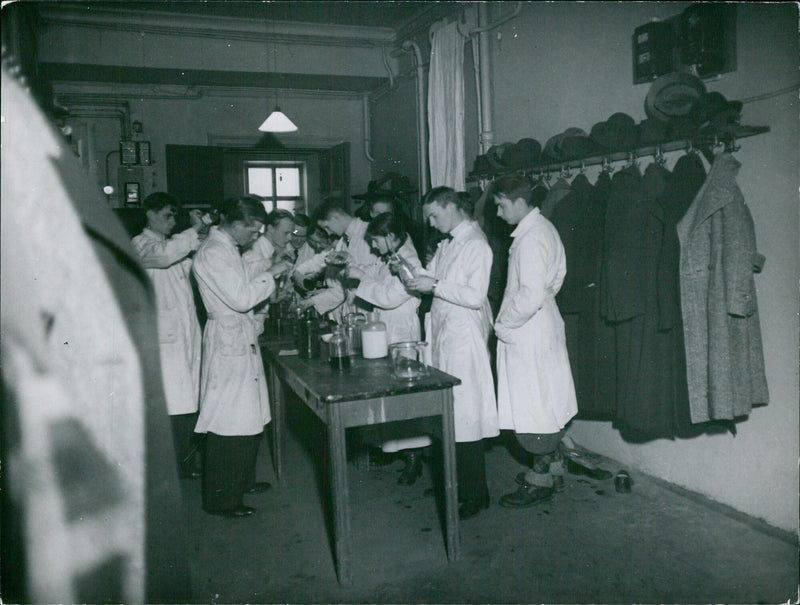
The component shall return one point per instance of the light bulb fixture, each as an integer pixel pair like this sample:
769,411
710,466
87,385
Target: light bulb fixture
277,122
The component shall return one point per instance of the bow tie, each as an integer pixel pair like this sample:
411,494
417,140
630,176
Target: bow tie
446,237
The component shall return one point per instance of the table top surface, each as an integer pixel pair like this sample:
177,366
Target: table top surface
365,379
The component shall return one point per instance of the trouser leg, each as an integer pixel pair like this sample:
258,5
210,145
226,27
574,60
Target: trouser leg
471,471
183,439
229,466
547,466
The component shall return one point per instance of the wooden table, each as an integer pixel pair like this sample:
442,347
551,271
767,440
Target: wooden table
365,394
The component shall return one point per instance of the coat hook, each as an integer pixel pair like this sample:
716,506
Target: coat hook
632,159
731,146
565,173
659,156
583,167
607,167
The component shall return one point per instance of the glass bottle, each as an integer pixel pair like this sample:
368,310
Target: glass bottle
353,323
374,343
402,268
339,357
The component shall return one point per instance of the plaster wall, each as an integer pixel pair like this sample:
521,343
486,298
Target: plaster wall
559,65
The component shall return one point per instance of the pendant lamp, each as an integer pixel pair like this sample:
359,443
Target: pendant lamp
277,122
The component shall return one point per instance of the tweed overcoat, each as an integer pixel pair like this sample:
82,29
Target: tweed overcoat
724,354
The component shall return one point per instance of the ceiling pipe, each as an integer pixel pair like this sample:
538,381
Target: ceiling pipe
483,29
422,117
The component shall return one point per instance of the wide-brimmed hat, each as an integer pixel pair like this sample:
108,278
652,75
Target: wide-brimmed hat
617,133
673,95
552,148
713,106
652,132
575,143
495,155
391,183
523,153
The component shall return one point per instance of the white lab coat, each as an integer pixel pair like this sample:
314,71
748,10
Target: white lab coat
458,326
169,266
397,307
233,390
535,391
258,257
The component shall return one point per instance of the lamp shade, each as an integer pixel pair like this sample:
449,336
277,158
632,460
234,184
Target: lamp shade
277,122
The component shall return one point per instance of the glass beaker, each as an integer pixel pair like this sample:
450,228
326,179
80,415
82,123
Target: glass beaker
338,348
353,322
408,360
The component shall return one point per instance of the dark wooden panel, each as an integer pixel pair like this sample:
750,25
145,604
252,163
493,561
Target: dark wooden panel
195,174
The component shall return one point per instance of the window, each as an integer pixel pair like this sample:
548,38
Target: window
279,184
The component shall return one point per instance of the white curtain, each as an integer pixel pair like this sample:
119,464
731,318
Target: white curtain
446,108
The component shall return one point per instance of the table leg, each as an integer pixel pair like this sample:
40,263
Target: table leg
450,477
278,400
337,464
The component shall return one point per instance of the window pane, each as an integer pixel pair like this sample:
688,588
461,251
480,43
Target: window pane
287,182
287,205
259,181
268,206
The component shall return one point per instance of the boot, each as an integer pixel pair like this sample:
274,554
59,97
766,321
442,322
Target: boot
413,467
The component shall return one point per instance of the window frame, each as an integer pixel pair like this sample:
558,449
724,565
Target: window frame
300,202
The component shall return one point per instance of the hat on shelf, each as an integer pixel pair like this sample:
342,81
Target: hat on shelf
495,155
652,132
552,148
575,143
672,95
481,165
617,133
523,153
713,109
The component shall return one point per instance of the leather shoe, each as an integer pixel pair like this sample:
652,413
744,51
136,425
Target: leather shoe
558,481
593,473
470,508
526,496
233,513
413,468
258,487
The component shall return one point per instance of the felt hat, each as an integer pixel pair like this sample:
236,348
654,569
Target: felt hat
713,107
392,183
672,95
617,133
652,132
575,143
523,153
481,165
495,155
552,148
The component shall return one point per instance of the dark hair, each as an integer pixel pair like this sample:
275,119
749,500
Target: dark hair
446,195
160,199
330,206
314,228
302,220
245,208
387,223
512,187
277,215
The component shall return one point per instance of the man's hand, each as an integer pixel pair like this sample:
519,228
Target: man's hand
197,222
423,283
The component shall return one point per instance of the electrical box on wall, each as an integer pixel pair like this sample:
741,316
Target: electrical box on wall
702,39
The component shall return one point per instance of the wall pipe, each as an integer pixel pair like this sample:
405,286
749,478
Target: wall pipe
422,117
491,26
486,134
367,118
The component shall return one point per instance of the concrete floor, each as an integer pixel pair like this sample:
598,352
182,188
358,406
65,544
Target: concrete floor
590,544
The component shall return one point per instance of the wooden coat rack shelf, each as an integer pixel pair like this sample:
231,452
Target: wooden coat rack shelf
699,142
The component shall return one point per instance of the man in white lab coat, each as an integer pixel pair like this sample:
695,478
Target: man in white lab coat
535,390
168,263
234,405
458,328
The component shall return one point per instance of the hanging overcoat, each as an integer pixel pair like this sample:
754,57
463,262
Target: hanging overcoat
718,256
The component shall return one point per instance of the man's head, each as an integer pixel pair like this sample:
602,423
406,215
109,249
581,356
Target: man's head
279,227
333,216
512,195
300,231
444,209
242,218
381,204
318,239
160,208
